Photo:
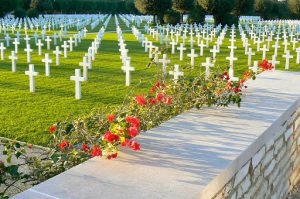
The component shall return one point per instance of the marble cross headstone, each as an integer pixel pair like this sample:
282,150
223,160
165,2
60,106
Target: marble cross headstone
28,50
78,79
192,55
57,52
287,57
47,62
207,66
176,73
31,73
85,64
13,59
2,48
165,63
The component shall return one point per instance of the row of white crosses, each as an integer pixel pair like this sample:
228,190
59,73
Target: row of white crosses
87,61
126,60
31,73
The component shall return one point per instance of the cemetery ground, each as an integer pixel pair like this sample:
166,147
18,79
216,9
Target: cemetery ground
26,116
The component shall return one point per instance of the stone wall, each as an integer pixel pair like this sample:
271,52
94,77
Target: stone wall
273,170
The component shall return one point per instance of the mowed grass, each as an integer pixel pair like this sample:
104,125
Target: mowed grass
26,116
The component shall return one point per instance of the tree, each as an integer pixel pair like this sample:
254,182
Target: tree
153,7
264,8
20,12
172,17
219,8
197,15
294,6
244,7
183,6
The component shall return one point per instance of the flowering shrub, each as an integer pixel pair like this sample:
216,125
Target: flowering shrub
99,135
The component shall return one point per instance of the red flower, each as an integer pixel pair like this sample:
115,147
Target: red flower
111,117
125,142
52,128
152,101
237,89
96,151
140,99
85,147
159,96
225,76
110,137
133,131
64,144
168,100
134,145
134,121
265,65
114,155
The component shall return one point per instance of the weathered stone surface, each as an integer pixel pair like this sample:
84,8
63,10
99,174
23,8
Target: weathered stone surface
258,157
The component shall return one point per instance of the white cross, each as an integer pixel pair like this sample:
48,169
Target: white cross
287,57
39,45
214,51
128,69
71,43
85,64
57,52
207,66
78,79
47,62
13,59
265,50
275,46
173,43
231,74
201,45
176,73
249,53
192,55
298,55
164,62
27,39
286,44
7,38
16,43
181,49
294,41
231,58
2,48
255,67
31,73
274,62
28,50
65,47
48,40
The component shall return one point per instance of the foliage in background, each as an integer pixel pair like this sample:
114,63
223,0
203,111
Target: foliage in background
183,7
157,8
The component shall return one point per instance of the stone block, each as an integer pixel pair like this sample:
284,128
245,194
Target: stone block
278,145
258,157
267,159
270,168
242,173
288,133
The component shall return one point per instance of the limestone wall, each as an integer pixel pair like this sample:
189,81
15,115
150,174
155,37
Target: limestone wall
268,171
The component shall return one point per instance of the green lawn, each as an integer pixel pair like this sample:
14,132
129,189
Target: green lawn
26,116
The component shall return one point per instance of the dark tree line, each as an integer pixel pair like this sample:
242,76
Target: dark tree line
169,11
